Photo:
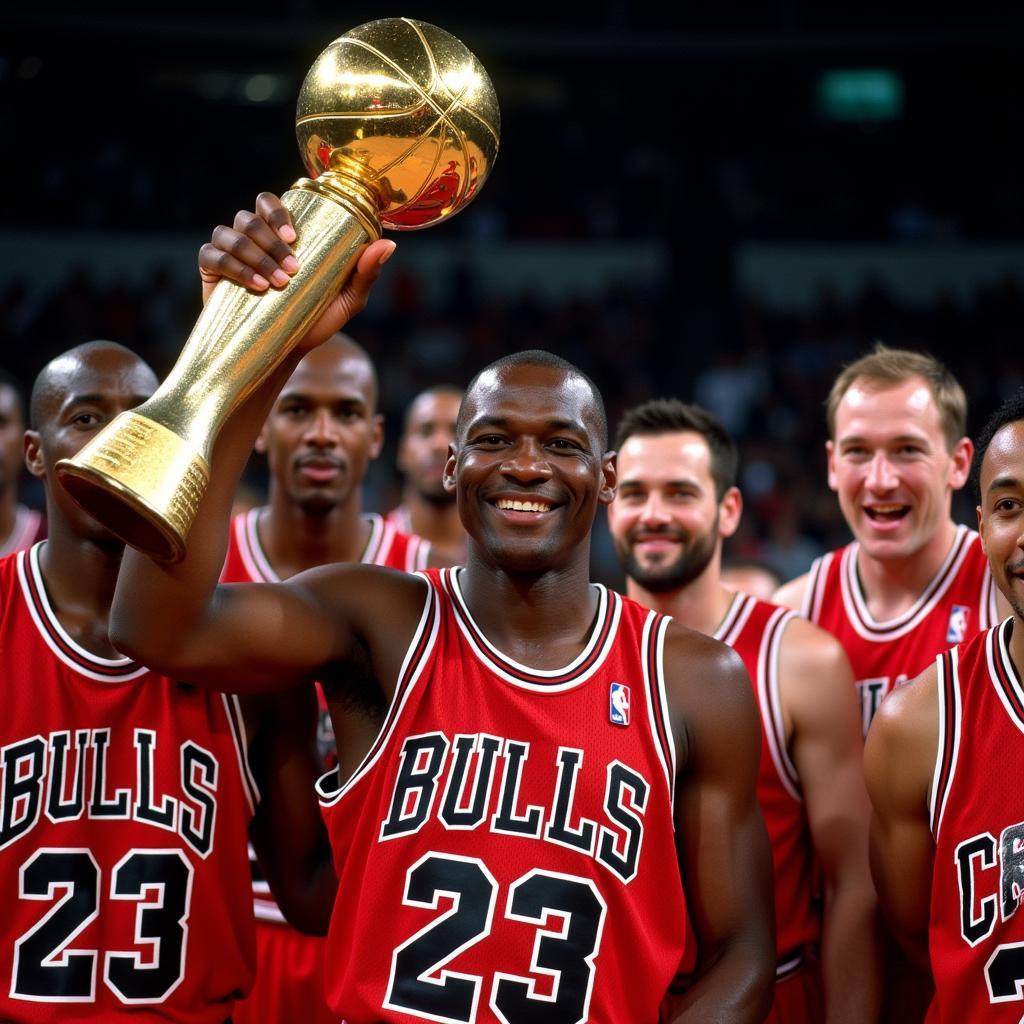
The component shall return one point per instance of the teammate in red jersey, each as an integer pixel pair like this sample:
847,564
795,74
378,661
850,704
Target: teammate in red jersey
943,763
913,582
319,439
548,886
676,503
125,796
20,526
427,508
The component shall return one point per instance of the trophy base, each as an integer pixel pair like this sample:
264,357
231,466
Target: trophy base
142,481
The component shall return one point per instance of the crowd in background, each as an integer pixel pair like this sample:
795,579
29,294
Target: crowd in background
767,380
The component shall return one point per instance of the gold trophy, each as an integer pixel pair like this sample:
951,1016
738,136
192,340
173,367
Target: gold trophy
398,125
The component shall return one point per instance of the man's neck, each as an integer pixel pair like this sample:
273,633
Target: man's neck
294,541
540,619
891,586
80,576
700,605
437,522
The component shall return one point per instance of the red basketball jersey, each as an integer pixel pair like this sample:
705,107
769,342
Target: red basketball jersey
754,630
506,850
246,562
959,602
29,527
399,518
125,801
976,929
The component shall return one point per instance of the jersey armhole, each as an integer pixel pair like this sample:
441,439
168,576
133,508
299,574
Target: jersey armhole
653,651
810,607
771,701
329,787
948,693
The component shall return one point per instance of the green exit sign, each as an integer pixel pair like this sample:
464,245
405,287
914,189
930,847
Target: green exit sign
860,94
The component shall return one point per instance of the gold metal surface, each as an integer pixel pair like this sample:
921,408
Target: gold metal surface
398,125
408,110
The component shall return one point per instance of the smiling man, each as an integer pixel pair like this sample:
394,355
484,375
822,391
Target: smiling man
677,501
913,582
944,761
512,845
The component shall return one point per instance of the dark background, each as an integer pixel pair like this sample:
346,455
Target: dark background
701,130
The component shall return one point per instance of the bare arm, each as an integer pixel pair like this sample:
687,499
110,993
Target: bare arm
791,594
175,617
823,721
724,855
899,759
288,832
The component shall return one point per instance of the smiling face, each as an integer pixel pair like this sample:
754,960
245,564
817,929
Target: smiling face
890,466
323,431
527,467
78,394
1001,513
666,521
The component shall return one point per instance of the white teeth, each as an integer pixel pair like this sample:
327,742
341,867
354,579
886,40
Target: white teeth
886,509
523,506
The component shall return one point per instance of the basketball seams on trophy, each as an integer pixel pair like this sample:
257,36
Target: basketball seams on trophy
398,125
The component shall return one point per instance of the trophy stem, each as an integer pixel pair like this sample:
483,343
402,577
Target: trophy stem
144,474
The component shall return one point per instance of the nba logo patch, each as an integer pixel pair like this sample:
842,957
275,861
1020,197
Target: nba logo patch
958,619
618,704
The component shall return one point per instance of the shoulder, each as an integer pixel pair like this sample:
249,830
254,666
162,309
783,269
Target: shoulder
809,650
791,594
710,697
900,750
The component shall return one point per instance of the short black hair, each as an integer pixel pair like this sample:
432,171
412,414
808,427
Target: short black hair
1009,412
672,416
540,357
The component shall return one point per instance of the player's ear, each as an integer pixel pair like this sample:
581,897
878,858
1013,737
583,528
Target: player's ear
962,456
449,470
262,441
730,511
376,435
610,478
830,452
34,454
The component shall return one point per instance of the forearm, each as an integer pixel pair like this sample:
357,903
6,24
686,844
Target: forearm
736,988
158,604
851,956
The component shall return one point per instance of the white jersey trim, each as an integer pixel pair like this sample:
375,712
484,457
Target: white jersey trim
735,619
855,604
997,647
329,787
375,552
937,800
814,594
667,767
233,709
28,562
771,700
609,604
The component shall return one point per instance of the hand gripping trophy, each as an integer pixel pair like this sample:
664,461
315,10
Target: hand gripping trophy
398,127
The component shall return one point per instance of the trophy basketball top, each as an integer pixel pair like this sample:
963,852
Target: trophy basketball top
408,111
